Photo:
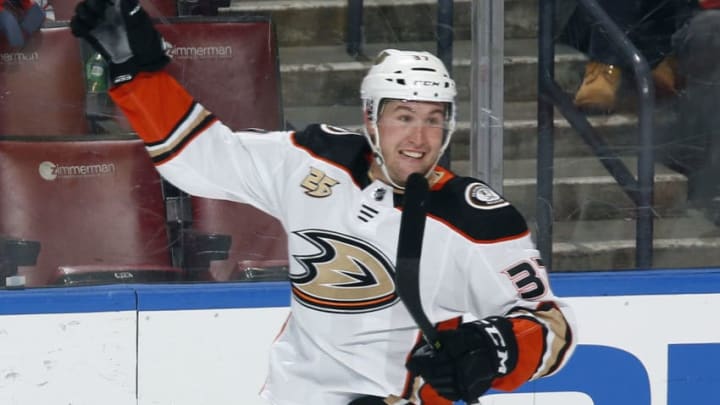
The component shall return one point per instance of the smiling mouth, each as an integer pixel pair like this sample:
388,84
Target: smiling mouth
412,154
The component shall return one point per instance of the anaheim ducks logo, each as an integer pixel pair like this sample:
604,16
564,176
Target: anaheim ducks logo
347,275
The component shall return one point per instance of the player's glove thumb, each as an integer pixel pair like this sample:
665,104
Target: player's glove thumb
122,32
470,358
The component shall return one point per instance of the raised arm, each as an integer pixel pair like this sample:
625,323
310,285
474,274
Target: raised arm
188,145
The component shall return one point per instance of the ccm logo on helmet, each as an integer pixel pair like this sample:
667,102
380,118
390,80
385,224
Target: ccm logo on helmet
427,83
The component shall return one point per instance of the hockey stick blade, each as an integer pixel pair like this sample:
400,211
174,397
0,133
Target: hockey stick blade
407,267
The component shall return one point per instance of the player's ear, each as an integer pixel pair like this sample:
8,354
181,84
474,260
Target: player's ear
368,124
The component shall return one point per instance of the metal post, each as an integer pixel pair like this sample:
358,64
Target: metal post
646,155
486,81
445,33
545,142
488,52
444,30
354,28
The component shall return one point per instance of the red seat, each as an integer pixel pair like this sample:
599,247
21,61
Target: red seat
43,92
104,207
64,9
87,202
256,236
231,67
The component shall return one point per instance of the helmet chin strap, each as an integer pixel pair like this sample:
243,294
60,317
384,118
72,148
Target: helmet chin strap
380,159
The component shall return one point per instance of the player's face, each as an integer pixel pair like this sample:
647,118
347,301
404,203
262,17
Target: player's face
411,135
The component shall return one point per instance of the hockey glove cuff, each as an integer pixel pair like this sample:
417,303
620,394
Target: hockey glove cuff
470,358
122,32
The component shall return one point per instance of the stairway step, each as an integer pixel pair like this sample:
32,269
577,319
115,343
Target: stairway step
584,190
686,241
323,22
327,75
619,131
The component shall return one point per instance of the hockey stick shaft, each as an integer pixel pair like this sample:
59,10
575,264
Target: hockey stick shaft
409,252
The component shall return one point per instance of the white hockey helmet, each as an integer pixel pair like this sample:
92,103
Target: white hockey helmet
410,76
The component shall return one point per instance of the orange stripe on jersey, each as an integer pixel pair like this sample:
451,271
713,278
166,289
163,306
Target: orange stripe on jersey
530,341
338,304
439,178
154,103
556,327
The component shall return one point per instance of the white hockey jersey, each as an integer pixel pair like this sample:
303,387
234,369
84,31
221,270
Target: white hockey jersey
348,334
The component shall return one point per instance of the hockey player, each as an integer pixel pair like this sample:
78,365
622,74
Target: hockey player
339,195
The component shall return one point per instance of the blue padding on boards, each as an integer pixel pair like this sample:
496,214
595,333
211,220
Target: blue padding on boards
67,300
149,297
221,295
693,374
636,282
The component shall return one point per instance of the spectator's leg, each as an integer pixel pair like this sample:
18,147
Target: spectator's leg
10,28
653,35
571,25
698,53
625,13
33,18
603,75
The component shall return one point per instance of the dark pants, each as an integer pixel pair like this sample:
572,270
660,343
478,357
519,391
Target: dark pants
697,46
649,24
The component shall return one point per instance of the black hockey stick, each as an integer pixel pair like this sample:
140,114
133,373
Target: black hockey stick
407,267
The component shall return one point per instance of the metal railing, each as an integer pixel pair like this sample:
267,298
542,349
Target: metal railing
487,94
640,189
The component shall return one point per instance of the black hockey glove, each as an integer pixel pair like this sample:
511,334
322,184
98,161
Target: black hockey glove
469,359
122,32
